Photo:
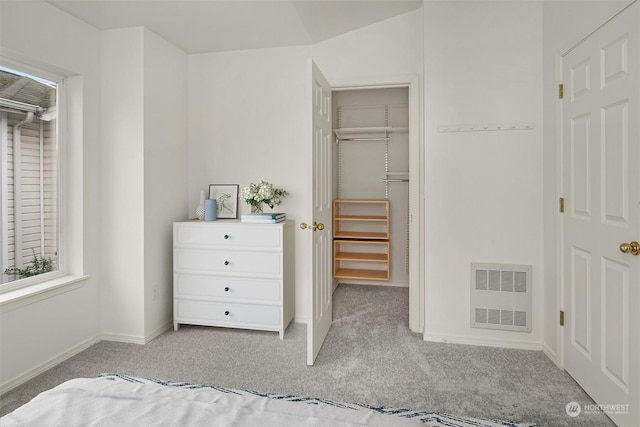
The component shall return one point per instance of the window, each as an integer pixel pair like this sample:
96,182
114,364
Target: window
29,220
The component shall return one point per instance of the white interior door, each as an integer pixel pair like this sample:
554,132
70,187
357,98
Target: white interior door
601,186
320,298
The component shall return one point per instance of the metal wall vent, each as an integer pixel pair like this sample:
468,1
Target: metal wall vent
501,296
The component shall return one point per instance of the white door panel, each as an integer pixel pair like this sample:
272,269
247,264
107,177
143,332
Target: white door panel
320,306
601,185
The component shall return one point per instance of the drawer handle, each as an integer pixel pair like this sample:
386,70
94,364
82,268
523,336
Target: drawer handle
226,289
226,313
226,236
226,263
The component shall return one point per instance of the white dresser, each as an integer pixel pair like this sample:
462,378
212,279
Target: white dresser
233,274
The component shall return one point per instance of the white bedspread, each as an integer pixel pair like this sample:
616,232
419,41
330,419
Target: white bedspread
105,402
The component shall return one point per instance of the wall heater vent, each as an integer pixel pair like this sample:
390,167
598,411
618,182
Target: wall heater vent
501,296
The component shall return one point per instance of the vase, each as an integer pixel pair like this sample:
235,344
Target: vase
210,209
200,208
256,209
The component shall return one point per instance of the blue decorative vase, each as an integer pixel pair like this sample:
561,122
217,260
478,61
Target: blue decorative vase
210,209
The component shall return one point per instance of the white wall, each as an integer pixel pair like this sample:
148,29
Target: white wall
483,65
165,173
390,48
122,185
248,112
144,115
248,122
42,331
561,31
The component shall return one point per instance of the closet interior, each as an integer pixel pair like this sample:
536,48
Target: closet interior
371,186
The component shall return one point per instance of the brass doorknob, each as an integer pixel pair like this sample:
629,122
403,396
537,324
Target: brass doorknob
313,227
632,248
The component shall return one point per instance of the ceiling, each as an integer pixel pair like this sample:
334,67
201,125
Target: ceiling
201,26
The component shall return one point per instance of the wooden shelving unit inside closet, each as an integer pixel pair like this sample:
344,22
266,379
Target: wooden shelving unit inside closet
361,239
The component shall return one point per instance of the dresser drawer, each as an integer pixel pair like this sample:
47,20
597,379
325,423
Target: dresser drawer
229,236
191,286
227,314
202,261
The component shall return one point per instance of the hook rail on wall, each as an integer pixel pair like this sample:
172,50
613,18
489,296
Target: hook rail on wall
481,128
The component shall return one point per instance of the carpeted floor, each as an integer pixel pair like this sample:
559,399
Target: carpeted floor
369,356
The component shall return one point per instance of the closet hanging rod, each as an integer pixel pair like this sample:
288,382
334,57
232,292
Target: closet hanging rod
395,180
363,139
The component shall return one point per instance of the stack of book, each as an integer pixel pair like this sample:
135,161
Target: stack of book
264,218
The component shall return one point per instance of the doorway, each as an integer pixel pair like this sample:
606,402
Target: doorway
322,190
371,186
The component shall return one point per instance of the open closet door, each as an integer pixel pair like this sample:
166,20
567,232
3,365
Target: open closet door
319,252
601,223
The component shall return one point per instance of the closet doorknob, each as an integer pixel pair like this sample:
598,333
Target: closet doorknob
313,227
632,248
226,263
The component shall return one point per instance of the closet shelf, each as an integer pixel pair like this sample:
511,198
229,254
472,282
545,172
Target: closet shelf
363,134
363,235
353,273
369,130
360,218
361,239
362,256
359,201
351,131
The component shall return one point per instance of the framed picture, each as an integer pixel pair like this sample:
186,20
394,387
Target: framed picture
226,197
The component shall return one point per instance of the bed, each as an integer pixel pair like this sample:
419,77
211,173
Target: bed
119,400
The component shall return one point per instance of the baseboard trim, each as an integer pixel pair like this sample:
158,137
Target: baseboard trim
483,341
300,319
158,331
138,339
551,355
131,339
56,360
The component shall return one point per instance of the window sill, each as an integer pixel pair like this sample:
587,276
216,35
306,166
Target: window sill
14,299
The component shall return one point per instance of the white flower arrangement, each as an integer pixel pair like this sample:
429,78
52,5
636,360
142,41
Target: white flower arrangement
262,193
